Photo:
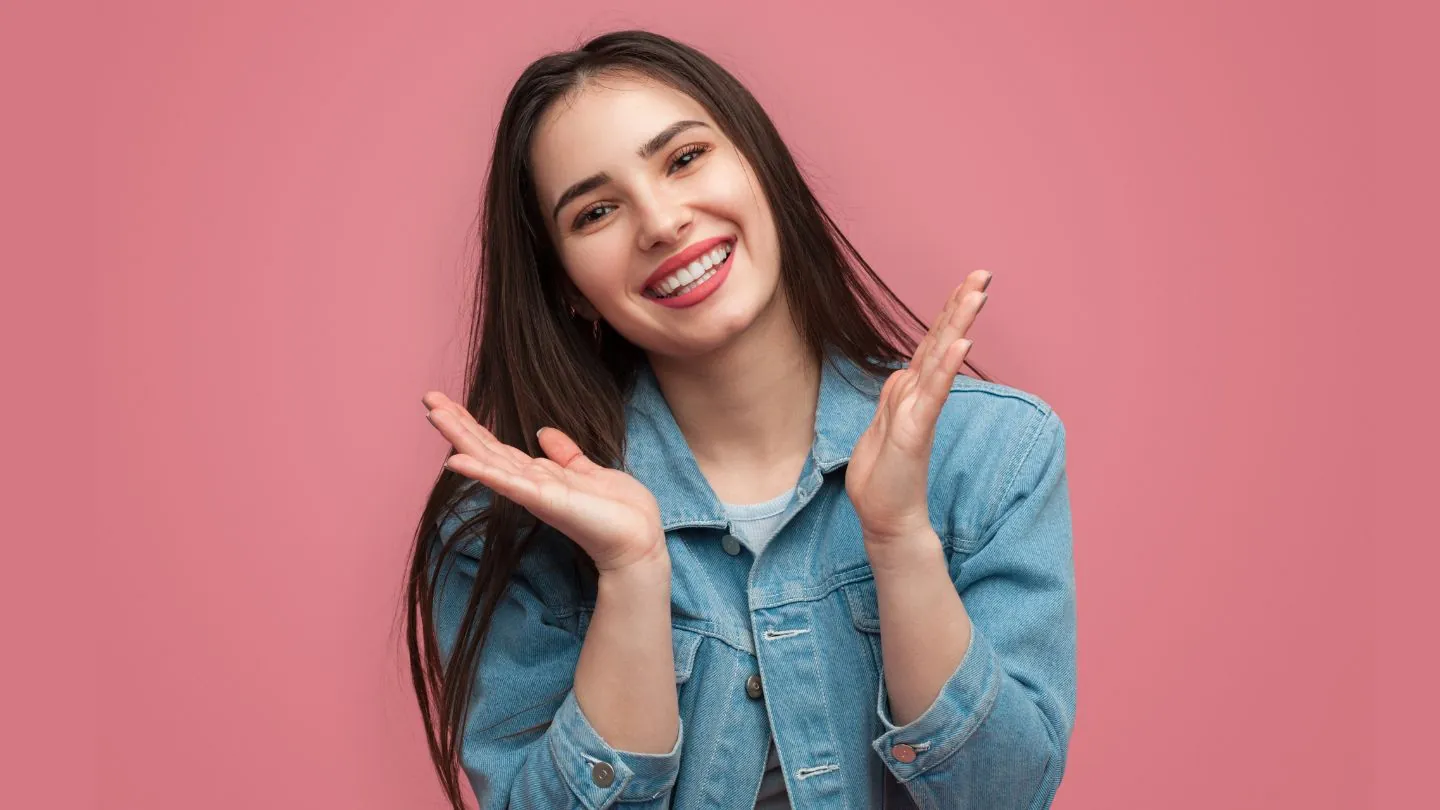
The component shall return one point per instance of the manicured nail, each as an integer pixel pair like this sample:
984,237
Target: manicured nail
983,299
988,278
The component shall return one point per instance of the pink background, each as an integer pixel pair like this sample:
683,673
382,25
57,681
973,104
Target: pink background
280,195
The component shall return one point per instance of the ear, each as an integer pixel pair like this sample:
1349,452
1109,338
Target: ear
579,302
584,310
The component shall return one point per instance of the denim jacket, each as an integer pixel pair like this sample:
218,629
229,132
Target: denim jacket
789,643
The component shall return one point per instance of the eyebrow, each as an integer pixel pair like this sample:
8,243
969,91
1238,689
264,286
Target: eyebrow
645,152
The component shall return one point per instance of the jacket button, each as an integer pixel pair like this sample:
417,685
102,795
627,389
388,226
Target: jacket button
752,687
602,774
731,544
903,752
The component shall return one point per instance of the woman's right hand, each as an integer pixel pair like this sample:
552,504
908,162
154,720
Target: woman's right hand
608,513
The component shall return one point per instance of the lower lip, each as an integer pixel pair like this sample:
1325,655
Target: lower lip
702,292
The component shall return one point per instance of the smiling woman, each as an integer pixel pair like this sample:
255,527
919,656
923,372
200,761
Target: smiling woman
704,465
662,188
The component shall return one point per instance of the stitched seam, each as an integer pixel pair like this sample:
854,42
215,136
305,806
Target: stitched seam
1036,430
806,773
727,722
978,386
982,713
565,777
771,635
849,576
542,701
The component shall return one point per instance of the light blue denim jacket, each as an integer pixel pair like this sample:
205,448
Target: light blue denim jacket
803,618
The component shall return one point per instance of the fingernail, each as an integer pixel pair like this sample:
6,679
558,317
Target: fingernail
983,299
988,278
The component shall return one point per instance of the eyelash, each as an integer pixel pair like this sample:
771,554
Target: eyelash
696,149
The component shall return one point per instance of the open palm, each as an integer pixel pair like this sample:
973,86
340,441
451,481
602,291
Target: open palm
888,475
610,514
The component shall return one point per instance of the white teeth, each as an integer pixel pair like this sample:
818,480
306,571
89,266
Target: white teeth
689,276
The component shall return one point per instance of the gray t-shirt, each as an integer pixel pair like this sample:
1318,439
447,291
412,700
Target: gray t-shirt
754,524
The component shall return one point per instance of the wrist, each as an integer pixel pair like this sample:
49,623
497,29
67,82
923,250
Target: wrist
650,569
897,530
902,551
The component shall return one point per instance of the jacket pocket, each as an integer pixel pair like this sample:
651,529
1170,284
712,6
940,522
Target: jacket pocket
684,644
864,609
864,612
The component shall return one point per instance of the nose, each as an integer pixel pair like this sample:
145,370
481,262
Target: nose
662,219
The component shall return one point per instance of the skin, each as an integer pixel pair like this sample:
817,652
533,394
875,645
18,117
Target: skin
743,391
733,367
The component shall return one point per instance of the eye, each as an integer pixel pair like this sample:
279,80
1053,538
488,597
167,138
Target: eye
694,150
685,157
585,219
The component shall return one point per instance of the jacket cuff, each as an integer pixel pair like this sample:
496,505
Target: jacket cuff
962,705
578,748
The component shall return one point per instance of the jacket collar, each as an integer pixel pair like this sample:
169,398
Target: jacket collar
657,455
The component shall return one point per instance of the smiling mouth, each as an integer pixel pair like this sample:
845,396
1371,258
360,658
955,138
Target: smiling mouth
692,275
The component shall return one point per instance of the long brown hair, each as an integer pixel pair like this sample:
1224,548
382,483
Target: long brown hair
533,362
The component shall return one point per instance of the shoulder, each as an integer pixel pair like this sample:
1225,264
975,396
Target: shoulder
545,563
987,412
467,503
988,437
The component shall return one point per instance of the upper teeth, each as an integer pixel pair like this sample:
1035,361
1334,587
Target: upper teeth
692,271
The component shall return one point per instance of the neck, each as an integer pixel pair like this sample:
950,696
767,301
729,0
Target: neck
747,411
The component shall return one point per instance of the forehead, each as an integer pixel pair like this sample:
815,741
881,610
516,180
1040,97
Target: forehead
599,128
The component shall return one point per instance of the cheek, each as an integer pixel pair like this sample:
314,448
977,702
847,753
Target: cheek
597,265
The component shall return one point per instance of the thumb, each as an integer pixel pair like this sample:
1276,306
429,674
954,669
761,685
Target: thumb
562,450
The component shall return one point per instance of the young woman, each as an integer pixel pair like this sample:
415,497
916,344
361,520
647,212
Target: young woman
727,533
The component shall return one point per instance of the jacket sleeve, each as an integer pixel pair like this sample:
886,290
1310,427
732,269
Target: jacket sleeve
997,734
527,743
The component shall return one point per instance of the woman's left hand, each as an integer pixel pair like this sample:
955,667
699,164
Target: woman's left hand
888,476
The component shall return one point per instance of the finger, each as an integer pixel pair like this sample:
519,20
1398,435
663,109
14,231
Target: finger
952,330
935,389
469,428
944,330
492,442
933,346
928,343
564,451
887,394
475,441
965,316
517,488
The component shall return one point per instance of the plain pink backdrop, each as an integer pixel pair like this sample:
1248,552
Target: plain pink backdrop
282,196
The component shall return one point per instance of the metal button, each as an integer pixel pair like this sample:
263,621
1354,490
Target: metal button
903,752
731,544
752,687
603,775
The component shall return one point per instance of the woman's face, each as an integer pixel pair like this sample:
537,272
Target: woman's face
689,188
